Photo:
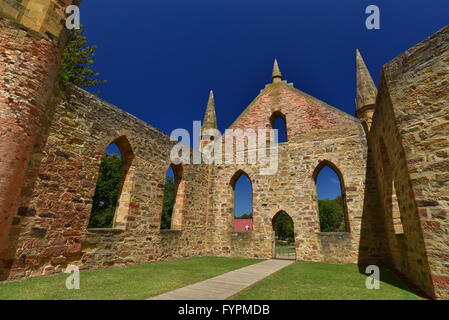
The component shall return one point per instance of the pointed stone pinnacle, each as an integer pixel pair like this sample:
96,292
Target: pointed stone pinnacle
211,98
277,75
366,89
210,118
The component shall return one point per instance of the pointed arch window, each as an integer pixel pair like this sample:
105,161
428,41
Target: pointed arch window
173,201
278,121
243,202
110,206
331,198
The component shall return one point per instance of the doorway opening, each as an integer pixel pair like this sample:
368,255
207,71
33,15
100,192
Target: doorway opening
284,237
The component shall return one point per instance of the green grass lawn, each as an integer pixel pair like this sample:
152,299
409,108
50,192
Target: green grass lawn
300,281
136,282
320,281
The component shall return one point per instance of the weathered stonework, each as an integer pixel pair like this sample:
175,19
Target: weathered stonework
29,64
412,122
317,133
392,161
56,200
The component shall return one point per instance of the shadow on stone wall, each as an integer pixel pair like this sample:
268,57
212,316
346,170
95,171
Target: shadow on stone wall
373,244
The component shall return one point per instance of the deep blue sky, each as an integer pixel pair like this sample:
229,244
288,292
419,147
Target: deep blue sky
243,201
279,125
161,57
328,184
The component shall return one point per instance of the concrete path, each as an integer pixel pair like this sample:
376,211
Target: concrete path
227,284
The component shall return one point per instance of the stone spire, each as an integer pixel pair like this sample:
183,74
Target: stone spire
366,90
209,122
366,94
277,75
210,118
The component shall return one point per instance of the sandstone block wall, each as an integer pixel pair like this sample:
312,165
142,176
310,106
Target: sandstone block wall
29,64
42,16
317,134
412,119
50,226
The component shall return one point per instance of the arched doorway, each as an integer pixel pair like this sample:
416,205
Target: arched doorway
284,236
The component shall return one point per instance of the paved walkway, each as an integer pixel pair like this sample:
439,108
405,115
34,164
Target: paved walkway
227,284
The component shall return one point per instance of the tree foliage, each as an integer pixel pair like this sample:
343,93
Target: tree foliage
283,227
77,60
245,216
332,217
168,203
106,192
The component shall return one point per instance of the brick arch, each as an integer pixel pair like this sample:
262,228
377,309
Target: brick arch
264,220
279,212
112,137
125,148
330,164
282,208
236,176
277,114
316,172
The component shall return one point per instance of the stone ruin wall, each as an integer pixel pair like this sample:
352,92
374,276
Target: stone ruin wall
26,85
316,133
411,117
52,145
50,228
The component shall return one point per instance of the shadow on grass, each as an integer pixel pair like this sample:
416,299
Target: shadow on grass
395,279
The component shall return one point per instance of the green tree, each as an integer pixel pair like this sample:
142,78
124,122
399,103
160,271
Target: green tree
332,218
283,227
77,60
168,203
339,200
245,216
106,192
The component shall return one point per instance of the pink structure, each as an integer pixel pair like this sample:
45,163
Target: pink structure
243,225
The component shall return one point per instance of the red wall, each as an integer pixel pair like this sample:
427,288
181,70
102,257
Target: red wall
240,225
